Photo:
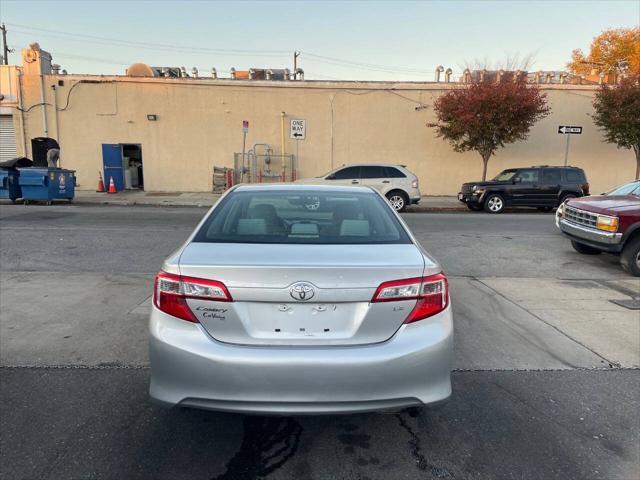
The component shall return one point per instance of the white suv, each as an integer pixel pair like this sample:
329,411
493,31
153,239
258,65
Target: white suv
395,182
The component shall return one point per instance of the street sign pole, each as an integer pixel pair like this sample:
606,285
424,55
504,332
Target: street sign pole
245,129
567,131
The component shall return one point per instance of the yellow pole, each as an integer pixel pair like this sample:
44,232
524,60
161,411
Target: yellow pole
282,147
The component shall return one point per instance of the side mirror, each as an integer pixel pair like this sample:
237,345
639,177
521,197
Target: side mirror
330,177
516,180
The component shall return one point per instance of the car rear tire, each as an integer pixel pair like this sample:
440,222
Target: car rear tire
494,203
630,257
474,208
398,200
584,249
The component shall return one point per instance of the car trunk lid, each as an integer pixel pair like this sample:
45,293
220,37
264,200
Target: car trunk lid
301,294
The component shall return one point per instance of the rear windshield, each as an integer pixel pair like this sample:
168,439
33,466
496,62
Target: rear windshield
309,217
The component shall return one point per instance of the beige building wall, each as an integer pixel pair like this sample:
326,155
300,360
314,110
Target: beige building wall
199,125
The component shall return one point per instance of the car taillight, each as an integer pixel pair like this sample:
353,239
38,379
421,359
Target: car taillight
170,293
431,293
414,184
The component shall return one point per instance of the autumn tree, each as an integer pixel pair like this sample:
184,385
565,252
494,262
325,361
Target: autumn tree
617,113
486,116
616,50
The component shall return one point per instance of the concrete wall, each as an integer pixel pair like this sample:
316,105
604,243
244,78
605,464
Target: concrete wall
200,125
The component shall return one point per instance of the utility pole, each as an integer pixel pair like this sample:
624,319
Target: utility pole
5,48
295,61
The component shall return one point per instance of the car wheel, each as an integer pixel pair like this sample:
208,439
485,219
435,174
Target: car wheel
545,209
398,201
584,249
473,207
494,203
630,257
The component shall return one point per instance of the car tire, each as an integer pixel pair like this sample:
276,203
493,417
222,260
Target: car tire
398,200
584,249
630,257
473,207
494,203
545,209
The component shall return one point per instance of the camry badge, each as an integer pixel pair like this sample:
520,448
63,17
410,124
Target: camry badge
302,291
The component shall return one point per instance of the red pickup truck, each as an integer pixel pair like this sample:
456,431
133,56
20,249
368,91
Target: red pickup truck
605,223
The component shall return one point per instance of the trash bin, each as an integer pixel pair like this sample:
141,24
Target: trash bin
9,183
9,186
47,184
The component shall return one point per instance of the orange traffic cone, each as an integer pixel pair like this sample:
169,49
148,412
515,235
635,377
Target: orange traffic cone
100,184
112,186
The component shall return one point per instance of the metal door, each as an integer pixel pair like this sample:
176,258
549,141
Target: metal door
112,164
7,138
527,189
551,185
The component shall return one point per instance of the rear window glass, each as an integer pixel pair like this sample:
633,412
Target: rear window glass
371,172
551,176
309,217
394,173
575,176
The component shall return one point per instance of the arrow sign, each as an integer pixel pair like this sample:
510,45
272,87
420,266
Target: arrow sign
297,129
567,129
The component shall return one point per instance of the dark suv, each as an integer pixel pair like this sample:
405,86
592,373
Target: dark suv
543,187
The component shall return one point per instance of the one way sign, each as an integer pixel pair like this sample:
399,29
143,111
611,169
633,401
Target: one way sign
298,129
566,129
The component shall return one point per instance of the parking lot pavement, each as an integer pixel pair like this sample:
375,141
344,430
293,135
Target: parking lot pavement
547,382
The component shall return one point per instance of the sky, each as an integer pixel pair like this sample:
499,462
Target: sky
356,40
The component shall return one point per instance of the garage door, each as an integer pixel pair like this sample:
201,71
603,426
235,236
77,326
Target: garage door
7,138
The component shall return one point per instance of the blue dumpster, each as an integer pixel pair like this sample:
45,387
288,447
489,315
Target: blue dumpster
9,186
47,184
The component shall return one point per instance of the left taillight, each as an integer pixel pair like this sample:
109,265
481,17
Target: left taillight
414,184
170,293
431,293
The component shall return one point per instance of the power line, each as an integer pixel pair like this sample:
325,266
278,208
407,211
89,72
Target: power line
154,46
369,66
233,52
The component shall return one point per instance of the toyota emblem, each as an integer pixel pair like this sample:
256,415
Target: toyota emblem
302,291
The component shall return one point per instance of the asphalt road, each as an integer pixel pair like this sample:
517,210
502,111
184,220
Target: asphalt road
546,383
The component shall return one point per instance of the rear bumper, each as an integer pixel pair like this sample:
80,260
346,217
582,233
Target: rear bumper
189,368
605,241
415,200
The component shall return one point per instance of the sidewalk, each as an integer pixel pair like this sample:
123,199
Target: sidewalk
204,199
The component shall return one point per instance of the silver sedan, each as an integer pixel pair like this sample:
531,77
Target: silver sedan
295,299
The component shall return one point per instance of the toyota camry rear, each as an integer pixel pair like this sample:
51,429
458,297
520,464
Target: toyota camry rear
301,299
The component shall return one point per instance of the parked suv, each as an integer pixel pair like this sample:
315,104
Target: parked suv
395,182
605,223
544,187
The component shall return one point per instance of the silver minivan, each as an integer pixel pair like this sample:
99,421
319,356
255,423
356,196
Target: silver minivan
395,182
298,299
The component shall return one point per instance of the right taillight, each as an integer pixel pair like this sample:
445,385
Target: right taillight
431,293
170,293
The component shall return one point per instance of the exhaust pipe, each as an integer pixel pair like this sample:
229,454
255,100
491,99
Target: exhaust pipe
439,70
